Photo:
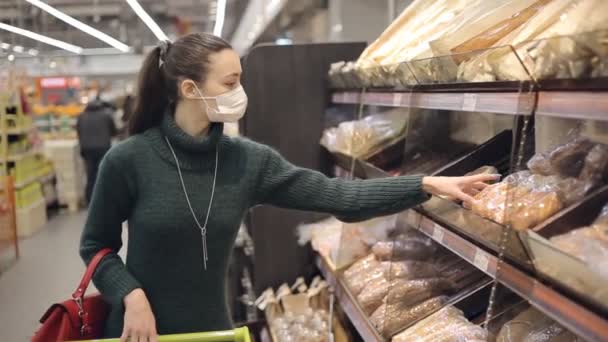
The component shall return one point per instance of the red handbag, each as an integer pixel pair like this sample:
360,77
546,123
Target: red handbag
79,318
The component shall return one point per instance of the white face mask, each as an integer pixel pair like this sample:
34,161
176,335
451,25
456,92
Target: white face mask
231,105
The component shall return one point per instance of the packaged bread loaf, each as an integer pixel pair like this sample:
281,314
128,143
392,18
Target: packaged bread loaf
372,295
595,165
359,281
410,292
532,326
568,160
410,246
362,265
446,325
390,318
409,269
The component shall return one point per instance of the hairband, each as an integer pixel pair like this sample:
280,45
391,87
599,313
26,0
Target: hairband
164,46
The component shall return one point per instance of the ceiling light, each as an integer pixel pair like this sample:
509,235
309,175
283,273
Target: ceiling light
44,39
80,25
53,64
11,57
18,49
141,13
5,46
220,15
33,52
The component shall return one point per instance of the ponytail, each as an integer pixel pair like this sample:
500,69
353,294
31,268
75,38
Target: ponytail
165,65
152,98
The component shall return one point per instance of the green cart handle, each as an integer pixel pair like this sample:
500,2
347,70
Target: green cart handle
236,335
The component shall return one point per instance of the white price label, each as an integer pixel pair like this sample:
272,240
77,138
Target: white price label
469,102
481,260
397,98
438,233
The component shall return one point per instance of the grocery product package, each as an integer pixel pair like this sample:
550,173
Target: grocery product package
343,243
389,318
301,315
364,137
542,58
446,325
533,326
589,244
409,35
409,246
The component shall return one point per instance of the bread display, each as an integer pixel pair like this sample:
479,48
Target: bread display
532,326
446,325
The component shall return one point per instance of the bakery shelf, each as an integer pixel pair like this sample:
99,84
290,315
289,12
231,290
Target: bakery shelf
575,317
592,105
348,303
514,103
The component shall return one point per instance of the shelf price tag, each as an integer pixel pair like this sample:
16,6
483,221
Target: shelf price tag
469,102
397,98
481,260
438,233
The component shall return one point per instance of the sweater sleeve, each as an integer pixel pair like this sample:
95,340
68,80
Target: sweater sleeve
285,185
110,206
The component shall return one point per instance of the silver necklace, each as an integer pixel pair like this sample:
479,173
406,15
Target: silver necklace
203,228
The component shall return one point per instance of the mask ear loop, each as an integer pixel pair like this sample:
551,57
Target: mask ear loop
201,97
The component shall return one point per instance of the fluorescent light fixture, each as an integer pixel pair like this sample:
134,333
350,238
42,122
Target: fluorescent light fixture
5,46
11,57
141,13
18,49
80,25
220,15
32,52
44,39
53,65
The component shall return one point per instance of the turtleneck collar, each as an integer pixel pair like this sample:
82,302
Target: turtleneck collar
193,152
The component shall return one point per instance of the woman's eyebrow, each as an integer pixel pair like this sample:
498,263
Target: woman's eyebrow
235,74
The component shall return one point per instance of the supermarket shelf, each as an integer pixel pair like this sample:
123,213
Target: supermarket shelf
578,319
20,156
33,205
348,303
18,131
41,179
514,103
591,105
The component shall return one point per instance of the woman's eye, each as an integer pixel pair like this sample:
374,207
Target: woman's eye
231,85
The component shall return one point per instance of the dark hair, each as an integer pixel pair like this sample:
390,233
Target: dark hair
165,65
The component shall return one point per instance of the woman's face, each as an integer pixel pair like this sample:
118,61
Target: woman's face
223,75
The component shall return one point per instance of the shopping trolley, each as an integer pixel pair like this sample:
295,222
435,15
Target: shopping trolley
236,335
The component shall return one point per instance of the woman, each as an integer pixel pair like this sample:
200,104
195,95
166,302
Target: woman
184,187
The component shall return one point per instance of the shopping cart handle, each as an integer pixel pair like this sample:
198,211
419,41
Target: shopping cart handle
236,335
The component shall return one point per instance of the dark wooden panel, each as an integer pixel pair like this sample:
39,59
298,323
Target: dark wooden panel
288,95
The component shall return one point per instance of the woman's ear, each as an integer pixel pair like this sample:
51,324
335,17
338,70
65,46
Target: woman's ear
188,90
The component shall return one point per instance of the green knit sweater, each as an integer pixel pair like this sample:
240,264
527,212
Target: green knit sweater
138,182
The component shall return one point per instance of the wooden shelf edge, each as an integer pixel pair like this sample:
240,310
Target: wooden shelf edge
575,317
355,315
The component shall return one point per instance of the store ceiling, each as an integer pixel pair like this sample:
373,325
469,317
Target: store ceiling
115,18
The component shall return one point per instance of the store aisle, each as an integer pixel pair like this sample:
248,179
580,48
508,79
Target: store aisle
48,271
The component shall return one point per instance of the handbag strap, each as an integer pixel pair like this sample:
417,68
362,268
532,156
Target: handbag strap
88,274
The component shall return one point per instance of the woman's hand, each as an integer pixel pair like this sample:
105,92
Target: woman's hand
462,188
139,324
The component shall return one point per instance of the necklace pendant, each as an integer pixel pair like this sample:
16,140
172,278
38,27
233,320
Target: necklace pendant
204,242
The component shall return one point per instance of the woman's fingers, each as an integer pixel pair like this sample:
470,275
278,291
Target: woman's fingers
125,336
483,178
467,199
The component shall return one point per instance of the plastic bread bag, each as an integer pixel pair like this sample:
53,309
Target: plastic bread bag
372,295
409,34
390,318
493,21
409,269
602,218
568,160
361,266
361,137
589,244
446,325
410,292
359,281
533,326
533,209
595,166
412,246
